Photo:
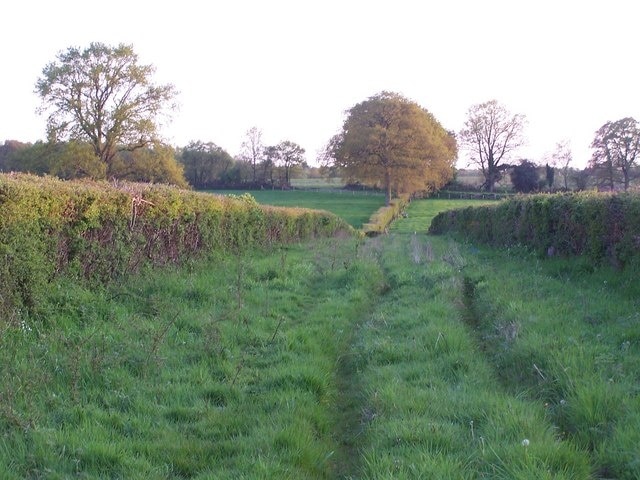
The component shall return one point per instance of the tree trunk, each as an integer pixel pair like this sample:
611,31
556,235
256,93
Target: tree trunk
387,180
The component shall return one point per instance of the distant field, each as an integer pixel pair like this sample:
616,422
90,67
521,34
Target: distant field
357,207
421,212
354,207
317,182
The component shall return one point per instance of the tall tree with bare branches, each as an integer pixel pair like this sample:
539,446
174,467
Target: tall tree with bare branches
491,133
253,149
562,157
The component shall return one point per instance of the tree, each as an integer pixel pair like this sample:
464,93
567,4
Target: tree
9,148
491,134
288,155
253,149
562,157
34,158
524,177
391,142
581,177
74,159
154,164
268,164
67,160
616,150
103,96
205,163
550,174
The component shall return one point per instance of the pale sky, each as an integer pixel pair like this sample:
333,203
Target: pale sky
292,68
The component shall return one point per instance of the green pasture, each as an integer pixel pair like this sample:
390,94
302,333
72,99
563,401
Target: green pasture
421,212
354,207
357,207
312,183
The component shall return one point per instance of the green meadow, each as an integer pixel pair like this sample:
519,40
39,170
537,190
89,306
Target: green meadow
419,216
354,207
403,356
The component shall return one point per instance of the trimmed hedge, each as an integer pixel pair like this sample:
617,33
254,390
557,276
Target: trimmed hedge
381,219
600,226
100,231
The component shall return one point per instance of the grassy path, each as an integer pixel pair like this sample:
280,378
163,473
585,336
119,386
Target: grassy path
400,357
435,406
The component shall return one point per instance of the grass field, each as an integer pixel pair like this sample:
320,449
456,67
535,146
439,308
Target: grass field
421,213
402,356
317,183
357,207
354,207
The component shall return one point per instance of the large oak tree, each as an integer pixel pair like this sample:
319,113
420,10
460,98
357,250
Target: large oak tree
391,142
104,96
491,133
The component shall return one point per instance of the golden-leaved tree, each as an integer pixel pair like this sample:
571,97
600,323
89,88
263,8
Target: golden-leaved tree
390,142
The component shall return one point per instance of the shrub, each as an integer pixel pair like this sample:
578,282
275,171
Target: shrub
100,231
382,218
602,227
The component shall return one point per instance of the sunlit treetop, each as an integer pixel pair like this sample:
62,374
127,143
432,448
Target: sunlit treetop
104,96
391,142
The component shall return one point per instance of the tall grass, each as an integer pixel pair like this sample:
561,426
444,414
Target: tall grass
565,335
401,356
220,370
435,407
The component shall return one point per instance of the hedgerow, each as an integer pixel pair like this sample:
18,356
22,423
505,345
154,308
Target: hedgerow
602,227
101,231
381,219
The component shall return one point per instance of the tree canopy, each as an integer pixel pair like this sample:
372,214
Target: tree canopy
491,133
253,150
288,155
391,142
205,163
103,96
74,159
524,177
616,151
562,157
155,164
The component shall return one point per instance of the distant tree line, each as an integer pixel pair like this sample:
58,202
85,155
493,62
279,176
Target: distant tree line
201,165
492,134
208,166
103,113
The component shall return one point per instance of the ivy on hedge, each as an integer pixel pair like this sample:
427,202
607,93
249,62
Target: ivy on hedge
601,226
100,231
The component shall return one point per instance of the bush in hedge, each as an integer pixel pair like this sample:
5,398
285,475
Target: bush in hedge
603,227
99,231
381,219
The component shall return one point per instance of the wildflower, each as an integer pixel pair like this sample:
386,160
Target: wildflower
525,442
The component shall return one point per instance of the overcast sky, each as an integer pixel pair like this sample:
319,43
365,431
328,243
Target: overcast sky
292,68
